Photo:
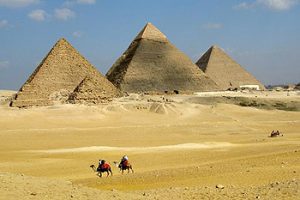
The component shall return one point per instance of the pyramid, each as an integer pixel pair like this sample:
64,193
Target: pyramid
227,73
91,91
152,64
60,72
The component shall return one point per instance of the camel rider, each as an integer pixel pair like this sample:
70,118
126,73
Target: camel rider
101,163
124,160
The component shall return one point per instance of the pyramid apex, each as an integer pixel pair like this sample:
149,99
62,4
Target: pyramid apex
150,32
215,46
62,40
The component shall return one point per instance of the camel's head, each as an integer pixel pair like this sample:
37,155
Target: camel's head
92,166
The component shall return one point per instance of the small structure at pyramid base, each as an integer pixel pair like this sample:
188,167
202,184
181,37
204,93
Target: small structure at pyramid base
58,75
227,73
89,91
153,65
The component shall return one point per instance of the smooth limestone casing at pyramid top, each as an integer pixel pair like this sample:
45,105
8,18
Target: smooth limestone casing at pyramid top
60,72
153,64
227,73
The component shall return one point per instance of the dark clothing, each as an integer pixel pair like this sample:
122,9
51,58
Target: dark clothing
124,163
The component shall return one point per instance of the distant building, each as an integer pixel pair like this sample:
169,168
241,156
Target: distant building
250,87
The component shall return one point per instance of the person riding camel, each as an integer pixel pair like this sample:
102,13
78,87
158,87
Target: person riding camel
101,164
124,161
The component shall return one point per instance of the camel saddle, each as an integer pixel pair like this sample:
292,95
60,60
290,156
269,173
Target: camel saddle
103,166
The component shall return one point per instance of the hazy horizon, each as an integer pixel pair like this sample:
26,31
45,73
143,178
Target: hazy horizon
261,35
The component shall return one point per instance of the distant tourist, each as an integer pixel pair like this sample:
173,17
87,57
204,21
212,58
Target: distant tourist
276,133
125,165
124,161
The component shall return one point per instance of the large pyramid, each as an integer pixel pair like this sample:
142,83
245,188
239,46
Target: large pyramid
60,72
227,73
153,64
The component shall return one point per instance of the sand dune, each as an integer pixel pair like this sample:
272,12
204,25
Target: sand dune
181,147
178,147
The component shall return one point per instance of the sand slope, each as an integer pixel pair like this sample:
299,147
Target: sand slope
181,153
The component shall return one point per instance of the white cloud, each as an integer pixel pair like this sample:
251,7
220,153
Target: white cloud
213,26
86,1
38,15
64,14
244,5
279,5
3,23
73,2
17,3
77,34
4,64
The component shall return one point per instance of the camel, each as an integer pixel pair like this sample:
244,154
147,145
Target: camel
275,134
124,167
105,168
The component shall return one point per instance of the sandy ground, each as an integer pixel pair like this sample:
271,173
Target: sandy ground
179,150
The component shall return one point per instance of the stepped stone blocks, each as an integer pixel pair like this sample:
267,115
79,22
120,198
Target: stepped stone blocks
91,91
152,64
227,73
58,75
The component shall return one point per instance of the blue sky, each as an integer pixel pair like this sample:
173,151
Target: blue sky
262,35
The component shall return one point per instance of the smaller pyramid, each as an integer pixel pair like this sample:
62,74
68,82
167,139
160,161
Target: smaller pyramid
152,64
91,91
226,72
59,73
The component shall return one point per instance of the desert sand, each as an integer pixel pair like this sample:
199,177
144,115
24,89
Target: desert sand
180,147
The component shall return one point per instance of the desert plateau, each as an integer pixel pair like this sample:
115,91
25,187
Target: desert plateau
212,145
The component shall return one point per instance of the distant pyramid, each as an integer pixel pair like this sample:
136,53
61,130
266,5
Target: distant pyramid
224,70
153,64
91,91
60,72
